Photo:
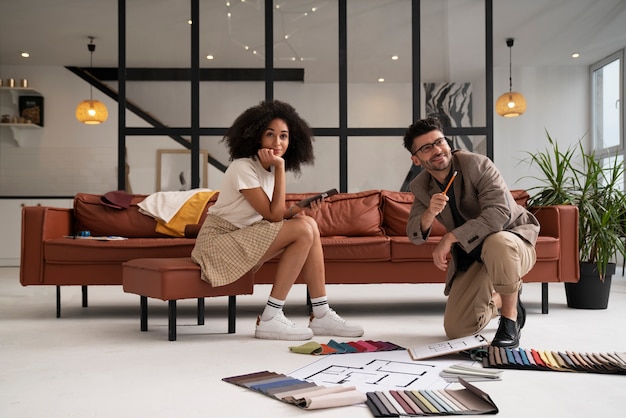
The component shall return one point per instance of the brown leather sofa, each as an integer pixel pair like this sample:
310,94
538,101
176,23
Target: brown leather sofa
363,236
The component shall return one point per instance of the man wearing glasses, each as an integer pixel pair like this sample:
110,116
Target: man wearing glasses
490,238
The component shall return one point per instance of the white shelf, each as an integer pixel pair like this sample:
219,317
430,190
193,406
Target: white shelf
21,90
16,92
21,125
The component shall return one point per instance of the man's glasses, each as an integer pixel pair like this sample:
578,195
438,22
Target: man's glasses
427,148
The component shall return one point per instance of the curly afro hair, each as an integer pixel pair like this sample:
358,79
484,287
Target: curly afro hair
243,138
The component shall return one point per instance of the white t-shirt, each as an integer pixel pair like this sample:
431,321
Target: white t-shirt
231,205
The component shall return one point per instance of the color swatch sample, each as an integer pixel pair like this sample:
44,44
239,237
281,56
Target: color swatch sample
394,403
563,361
306,395
335,347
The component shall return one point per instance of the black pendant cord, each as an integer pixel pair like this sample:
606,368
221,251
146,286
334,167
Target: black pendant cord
509,43
91,47
510,71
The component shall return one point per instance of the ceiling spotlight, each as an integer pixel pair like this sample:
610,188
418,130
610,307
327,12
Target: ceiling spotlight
210,57
575,55
381,80
25,54
394,57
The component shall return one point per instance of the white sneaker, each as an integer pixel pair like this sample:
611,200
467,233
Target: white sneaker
280,328
333,324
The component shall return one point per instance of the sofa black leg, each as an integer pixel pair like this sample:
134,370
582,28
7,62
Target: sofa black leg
200,311
232,313
171,320
308,302
143,312
544,298
58,301
84,292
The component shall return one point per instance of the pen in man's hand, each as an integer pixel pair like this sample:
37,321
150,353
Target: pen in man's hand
449,183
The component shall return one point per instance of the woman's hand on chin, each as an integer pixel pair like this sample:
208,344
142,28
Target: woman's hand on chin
268,158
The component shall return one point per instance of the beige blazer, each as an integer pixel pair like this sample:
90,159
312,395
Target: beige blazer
482,198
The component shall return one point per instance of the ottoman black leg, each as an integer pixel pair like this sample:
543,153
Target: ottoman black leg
232,313
171,321
200,311
58,301
84,294
143,309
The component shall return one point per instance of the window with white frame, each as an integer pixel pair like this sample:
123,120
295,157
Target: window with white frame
607,111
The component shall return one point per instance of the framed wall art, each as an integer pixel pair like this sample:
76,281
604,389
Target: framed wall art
174,169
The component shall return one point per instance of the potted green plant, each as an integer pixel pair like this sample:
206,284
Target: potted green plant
575,177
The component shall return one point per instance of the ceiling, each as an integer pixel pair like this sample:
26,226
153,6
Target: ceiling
546,33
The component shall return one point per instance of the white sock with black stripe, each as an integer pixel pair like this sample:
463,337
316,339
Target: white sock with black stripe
320,306
272,308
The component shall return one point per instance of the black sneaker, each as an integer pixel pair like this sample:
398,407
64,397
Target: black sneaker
507,335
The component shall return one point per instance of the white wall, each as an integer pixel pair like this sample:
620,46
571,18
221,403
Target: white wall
67,157
557,101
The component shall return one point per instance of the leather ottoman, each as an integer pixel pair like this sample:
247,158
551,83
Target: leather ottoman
171,279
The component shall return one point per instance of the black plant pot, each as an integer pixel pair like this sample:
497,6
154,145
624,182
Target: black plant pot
590,292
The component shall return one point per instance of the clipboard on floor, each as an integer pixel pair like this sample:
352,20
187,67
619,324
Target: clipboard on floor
443,348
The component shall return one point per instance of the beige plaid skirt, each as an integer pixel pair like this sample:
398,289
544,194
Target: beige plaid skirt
225,252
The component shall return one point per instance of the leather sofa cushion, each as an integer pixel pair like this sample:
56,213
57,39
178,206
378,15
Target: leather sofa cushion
78,251
396,208
397,205
91,215
404,250
350,249
547,248
347,214
521,197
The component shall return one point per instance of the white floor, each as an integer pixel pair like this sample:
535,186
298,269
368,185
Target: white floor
95,362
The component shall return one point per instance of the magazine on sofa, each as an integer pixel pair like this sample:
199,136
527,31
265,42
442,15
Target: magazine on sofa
97,238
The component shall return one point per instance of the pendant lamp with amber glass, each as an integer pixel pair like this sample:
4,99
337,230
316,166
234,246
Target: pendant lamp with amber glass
512,103
91,112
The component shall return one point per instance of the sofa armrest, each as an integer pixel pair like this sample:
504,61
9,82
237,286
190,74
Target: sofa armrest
40,223
561,221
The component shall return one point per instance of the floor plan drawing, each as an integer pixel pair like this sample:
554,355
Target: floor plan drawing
392,370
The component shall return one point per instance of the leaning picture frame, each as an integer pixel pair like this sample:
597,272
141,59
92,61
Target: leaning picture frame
31,109
174,169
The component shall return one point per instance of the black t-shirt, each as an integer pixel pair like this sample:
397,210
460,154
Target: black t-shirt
463,259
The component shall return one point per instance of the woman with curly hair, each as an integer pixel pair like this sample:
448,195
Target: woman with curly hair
248,225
